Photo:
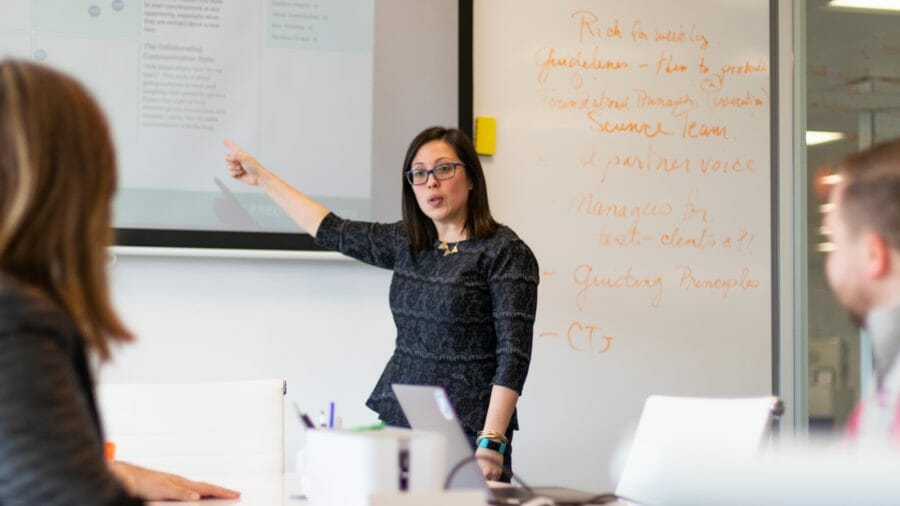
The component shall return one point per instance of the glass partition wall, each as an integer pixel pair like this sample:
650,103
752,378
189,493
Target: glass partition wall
852,100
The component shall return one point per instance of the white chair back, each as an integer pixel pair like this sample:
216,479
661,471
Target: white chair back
673,431
197,429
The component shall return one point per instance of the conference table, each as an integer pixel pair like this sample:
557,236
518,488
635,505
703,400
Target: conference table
256,490
262,490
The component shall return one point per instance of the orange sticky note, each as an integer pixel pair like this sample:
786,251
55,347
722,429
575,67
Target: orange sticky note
109,450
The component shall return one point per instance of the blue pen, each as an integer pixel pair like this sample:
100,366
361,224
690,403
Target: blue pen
331,416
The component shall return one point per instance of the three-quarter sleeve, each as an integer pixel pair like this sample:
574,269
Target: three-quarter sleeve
50,453
513,280
373,243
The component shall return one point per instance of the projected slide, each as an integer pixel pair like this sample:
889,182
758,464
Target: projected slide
290,80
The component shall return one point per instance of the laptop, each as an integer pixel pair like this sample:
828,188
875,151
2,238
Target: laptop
429,408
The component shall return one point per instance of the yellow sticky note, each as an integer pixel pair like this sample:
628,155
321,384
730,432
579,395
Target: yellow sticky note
485,135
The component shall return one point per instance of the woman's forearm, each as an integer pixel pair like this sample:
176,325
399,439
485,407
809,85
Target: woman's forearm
500,409
303,209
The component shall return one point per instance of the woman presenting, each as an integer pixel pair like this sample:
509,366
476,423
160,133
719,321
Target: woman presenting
463,293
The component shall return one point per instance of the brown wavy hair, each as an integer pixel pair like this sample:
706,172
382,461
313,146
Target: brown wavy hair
479,222
57,180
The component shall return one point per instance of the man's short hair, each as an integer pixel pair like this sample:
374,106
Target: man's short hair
871,190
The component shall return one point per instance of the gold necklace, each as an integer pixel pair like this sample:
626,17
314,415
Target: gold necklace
448,249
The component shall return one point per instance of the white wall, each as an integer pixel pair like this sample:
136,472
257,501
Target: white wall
324,326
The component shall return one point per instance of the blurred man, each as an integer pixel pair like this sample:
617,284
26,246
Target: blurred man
864,272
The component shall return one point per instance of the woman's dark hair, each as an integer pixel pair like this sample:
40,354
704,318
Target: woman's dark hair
479,222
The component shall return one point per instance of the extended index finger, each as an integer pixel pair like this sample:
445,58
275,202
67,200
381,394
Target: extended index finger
233,147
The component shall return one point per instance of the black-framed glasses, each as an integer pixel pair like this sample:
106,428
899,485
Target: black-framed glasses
441,172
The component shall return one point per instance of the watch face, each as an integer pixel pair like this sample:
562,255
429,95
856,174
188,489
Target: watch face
492,445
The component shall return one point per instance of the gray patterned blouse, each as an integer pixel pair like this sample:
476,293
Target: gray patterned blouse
464,321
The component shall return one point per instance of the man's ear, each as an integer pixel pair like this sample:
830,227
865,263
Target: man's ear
878,256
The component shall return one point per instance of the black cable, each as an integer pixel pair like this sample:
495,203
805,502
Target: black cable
471,458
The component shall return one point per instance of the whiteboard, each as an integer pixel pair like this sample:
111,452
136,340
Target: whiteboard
633,156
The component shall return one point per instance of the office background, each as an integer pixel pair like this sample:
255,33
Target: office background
326,328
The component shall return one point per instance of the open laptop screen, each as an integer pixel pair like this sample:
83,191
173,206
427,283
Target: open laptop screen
429,408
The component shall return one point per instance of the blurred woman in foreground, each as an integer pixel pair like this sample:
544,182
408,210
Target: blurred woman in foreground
57,180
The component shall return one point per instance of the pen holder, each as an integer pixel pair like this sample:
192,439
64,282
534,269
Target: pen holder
346,468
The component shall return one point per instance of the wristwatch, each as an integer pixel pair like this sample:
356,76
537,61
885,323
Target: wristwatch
497,446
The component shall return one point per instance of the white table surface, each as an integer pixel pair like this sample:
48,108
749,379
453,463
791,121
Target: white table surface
256,490
263,490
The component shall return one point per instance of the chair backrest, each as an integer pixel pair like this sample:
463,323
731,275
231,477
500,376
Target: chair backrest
674,430
197,428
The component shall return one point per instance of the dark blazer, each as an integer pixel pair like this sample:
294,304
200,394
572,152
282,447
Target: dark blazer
51,450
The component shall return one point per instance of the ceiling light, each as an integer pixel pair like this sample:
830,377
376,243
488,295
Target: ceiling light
871,5
814,137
